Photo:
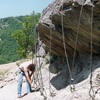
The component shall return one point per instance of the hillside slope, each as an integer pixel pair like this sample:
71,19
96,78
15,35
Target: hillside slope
8,44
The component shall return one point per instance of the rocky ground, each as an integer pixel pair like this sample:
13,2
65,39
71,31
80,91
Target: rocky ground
8,87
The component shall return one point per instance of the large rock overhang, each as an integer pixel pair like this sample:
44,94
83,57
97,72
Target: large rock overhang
50,27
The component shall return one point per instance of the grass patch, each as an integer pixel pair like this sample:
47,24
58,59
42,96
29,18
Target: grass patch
2,74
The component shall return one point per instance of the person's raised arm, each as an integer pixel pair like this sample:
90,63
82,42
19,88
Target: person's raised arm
28,78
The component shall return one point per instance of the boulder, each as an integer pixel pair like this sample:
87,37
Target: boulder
65,24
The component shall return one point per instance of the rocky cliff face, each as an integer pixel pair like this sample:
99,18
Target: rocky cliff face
69,20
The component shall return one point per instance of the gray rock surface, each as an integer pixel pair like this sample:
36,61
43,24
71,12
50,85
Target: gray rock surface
51,27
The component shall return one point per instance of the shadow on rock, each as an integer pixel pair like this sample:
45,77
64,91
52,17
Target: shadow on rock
79,72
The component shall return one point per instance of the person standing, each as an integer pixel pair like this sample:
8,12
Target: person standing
26,70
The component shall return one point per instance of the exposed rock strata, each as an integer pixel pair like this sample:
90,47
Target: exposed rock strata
50,25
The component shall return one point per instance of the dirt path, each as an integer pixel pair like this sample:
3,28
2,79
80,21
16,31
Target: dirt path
6,67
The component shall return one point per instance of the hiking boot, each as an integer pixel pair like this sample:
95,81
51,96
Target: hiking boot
19,96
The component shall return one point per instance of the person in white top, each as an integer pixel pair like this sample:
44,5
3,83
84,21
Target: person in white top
27,70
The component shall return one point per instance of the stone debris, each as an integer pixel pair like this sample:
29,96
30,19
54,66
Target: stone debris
59,83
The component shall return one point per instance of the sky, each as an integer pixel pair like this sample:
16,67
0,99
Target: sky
10,8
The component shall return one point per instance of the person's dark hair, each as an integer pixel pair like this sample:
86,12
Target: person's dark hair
31,67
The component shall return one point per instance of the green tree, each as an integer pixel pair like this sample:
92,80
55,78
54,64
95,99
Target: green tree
25,37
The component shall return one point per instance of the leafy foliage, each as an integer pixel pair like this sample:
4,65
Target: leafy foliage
22,28
25,36
8,44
